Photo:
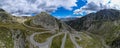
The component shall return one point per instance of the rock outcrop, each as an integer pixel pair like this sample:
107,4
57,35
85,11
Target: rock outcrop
45,20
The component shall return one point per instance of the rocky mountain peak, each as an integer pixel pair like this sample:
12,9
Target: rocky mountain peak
45,20
108,14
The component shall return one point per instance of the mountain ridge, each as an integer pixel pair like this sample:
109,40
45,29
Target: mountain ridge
104,23
43,31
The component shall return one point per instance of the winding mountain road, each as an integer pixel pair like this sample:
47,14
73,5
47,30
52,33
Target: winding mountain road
63,40
73,41
48,42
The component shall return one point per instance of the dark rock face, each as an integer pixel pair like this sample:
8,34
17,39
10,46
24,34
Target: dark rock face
105,23
116,43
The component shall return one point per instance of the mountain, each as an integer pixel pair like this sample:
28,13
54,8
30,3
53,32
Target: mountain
45,20
1,10
68,19
43,31
4,16
105,23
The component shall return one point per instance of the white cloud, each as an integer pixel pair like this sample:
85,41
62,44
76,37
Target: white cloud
19,7
96,5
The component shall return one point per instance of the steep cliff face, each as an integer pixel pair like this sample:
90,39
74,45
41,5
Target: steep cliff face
105,23
43,31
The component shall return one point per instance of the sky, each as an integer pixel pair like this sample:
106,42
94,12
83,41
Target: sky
57,8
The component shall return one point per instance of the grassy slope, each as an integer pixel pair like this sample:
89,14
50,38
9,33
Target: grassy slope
42,37
6,34
5,38
107,30
88,41
68,43
57,41
113,32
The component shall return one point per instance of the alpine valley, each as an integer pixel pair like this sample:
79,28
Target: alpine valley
95,30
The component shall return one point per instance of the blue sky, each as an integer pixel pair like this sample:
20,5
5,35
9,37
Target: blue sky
62,12
57,8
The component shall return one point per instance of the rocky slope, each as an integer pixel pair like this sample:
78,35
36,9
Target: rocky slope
105,23
43,31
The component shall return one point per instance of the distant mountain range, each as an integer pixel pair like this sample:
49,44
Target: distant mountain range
104,23
68,19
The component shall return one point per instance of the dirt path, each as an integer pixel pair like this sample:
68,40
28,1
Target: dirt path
73,41
63,40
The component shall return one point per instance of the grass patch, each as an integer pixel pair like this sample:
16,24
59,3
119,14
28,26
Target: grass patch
57,41
12,26
6,40
42,37
108,31
19,26
5,29
68,43
87,41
